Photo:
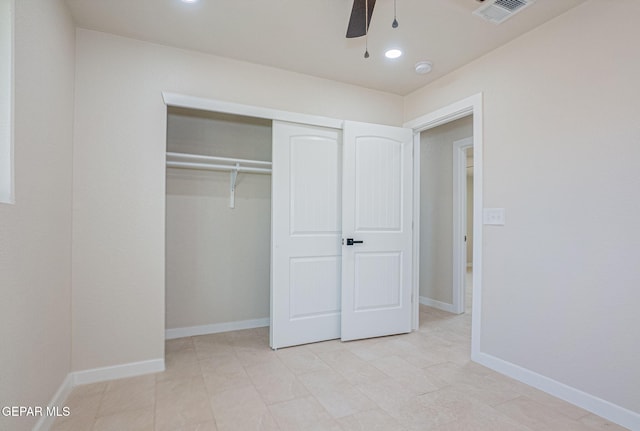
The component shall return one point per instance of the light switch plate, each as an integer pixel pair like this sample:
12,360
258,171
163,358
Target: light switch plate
494,216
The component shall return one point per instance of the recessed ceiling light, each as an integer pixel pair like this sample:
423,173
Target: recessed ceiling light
393,53
189,1
423,67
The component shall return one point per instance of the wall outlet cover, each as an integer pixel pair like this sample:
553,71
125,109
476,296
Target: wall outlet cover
494,216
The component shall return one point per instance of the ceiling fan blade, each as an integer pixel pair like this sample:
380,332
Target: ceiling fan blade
357,22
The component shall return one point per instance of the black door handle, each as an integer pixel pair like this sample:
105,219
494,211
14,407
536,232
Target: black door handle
350,241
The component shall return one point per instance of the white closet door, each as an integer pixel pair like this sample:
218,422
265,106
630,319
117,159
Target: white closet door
306,234
377,210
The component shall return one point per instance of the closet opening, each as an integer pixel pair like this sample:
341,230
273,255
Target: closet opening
245,249
218,222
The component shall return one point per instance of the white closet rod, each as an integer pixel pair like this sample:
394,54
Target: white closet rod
215,167
185,156
205,164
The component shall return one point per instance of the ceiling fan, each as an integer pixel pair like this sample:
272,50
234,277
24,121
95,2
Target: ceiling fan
359,20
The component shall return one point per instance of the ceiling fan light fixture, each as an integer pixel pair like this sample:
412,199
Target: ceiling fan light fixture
423,67
393,53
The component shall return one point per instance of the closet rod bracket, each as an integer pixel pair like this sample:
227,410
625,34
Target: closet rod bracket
232,182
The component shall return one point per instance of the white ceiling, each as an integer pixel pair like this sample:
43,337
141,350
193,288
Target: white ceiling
308,36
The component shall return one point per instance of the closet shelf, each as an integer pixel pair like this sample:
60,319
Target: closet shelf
213,163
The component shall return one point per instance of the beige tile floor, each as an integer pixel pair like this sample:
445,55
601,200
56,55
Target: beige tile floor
233,381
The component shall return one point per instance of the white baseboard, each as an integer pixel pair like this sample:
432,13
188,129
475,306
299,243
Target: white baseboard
117,372
93,376
437,304
58,400
190,331
591,403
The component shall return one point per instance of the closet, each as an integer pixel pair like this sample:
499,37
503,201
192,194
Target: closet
218,221
302,226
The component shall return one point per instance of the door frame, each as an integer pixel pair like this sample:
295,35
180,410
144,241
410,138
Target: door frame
214,105
469,106
460,221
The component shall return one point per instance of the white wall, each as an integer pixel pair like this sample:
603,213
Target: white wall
436,208
119,175
218,258
561,151
35,232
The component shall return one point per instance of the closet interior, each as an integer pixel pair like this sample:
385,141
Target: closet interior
218,221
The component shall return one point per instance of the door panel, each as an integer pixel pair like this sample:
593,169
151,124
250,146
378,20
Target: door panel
378,187
315,186
376,209
310,293
306,228
377,281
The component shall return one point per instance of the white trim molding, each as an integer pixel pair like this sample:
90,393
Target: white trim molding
455,111
416,231
59,398
460,209
117,372
591,403
215,328
193,102
93,376
437,304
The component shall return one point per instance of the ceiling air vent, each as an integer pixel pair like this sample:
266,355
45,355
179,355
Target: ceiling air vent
497,11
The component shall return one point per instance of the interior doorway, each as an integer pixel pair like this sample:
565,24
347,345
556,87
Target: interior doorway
443,223
470,107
